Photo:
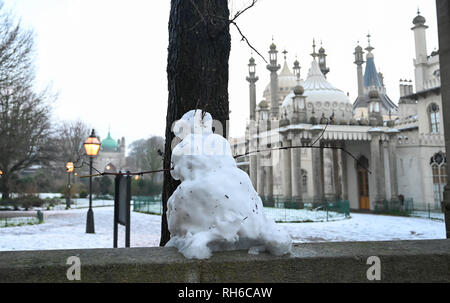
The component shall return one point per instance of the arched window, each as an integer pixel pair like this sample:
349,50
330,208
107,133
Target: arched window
435,120
439,168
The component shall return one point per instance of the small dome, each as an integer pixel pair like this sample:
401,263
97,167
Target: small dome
273,46
373,94
299,90
321,50
358,49
109,144
263,104
252,60
419,20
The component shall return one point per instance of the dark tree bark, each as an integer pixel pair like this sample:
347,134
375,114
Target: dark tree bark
197,69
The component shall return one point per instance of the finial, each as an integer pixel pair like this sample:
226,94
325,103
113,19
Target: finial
285,53
418,11
369,48
314,54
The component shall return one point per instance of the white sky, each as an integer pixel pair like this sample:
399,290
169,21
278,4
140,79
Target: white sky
107,58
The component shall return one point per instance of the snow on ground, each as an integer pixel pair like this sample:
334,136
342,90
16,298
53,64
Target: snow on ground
66,230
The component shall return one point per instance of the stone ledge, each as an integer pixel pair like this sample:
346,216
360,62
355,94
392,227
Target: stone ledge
402,261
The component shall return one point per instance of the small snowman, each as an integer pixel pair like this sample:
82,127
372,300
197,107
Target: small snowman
215,208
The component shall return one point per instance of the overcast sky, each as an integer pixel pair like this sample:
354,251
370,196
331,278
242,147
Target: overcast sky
107,58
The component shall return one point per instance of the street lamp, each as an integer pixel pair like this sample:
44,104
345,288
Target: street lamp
70,168
92,147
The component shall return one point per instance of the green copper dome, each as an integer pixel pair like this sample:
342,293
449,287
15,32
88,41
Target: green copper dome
109,144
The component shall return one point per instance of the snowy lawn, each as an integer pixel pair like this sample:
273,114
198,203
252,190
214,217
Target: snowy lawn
66,230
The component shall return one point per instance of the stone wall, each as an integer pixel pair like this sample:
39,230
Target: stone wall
405,261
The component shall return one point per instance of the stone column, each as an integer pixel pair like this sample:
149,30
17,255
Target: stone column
392,150
318,180
269,182
260,178
296,158
375,166
383,171
286,173
443,12
253,147
336,172
344,173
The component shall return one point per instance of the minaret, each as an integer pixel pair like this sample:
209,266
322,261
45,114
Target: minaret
359,61
420,61
297,68
323,62
252,79
273,67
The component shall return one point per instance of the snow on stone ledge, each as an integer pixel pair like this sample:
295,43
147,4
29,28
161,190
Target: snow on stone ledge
215,208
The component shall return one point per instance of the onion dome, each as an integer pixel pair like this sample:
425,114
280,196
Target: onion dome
358,49
299,90
263,104
273,46
109,144
419,19
323,120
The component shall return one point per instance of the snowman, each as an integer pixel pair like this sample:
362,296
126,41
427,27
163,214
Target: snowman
215,208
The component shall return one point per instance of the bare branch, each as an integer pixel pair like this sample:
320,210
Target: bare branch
243,11
246,40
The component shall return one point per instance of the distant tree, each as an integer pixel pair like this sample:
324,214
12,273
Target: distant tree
146,155
105,185
25,128
70,136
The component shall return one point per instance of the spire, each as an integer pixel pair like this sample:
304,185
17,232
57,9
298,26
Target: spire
314,54
369,48
285,52
371,76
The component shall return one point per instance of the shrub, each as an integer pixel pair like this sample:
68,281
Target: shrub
83,194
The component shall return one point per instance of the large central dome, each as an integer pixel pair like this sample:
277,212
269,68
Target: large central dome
322,96
109,144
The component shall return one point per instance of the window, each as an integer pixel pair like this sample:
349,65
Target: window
439,169
435,120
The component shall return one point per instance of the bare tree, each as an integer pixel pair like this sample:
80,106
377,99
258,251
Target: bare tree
25,128
146,155
70,136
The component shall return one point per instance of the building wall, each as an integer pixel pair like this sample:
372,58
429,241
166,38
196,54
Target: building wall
422,110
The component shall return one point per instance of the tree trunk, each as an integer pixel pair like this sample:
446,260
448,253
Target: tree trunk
197,69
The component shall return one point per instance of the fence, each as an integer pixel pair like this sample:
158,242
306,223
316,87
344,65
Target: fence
409,208
148,205
302,211
20,221
280,210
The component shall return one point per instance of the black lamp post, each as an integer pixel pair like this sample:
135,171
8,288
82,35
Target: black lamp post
69,167
92,147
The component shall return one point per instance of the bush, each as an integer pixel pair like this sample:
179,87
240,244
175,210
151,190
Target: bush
28,201
83,194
